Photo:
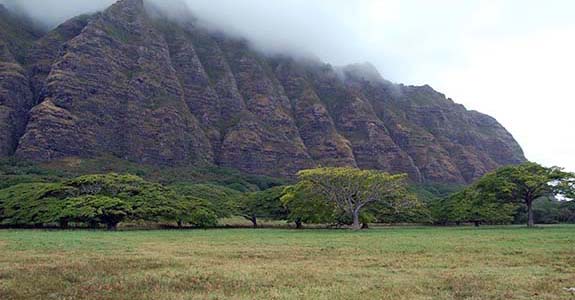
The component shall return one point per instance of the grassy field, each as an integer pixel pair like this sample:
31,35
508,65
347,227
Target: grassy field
386,263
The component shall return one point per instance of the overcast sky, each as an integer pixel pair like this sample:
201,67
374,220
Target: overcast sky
512,59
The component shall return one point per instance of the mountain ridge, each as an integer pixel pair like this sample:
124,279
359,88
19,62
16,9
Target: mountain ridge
156,91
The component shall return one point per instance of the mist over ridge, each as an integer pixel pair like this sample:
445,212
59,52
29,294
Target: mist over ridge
294,28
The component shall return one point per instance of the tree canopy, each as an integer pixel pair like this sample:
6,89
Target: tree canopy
106,199
95,210
263,204
469,206
341,196
350,191
520,184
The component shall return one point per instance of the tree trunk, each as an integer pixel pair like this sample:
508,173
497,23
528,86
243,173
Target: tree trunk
112,226
93,225
356,225
530,221
64,224
477,223
364,226
298,224
180,224
254,221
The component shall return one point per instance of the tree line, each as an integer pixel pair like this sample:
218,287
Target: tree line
508,194
336,196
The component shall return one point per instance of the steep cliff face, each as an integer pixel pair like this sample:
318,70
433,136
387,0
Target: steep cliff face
116,85
151,90
447,142
16,36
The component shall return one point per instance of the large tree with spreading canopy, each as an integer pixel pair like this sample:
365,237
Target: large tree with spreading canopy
524,183
352,190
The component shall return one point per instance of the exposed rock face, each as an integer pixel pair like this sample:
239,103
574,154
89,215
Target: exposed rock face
117,81
447,142
317,129
150,90
15,93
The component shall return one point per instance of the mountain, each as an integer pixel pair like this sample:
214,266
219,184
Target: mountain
132,84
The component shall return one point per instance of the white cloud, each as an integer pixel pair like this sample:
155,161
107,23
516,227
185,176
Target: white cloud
52,12
526,83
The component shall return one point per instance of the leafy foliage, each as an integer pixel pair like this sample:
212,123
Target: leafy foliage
203,217
34,195
95,209
100,199
430,192
524,184
567,212
352,191
549,210
221,200
306,205
264,204
470,206
230,178
500,196
30,204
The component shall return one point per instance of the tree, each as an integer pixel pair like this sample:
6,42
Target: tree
82,199
567,212
352,190
304,205
546,210
469,206
148,201
222,200
96,210
111,184
152,202
194,211
524,183
203,217
31,204
263,204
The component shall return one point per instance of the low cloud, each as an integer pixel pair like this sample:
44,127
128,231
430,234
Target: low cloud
50,13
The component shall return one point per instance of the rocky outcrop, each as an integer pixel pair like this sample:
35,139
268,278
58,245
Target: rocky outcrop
152,90
276,141
116,79
447,142
326,146
16,37
43,54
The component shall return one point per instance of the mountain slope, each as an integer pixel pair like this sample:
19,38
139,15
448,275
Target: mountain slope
154,91
16,35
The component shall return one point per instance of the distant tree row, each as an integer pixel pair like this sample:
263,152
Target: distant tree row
332,196
95,200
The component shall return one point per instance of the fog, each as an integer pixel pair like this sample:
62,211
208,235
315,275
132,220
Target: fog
49,13
512,59
300,27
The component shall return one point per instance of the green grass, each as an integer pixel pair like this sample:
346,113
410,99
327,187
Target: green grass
383,263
